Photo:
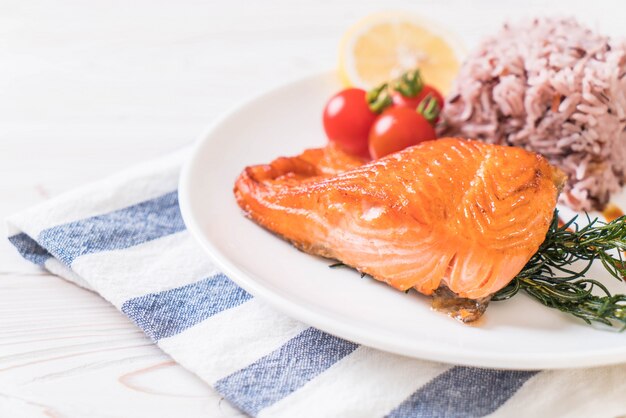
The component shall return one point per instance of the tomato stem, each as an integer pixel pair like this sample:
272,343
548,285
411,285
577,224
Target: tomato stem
378,98
410,84
429,108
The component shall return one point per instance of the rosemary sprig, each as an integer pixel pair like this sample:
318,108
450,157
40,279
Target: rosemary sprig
549,278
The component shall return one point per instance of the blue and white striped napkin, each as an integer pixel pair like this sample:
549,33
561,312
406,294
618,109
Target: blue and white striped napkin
124,239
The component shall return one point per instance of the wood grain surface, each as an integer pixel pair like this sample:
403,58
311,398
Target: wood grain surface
89,88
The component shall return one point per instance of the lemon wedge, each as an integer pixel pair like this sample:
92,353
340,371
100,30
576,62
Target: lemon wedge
382,46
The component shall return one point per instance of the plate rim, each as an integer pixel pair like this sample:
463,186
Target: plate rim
530,361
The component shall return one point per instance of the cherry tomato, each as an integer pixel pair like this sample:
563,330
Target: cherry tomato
347,121
413,102
397,128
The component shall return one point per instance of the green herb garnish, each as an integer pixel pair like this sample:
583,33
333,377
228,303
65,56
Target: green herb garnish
549,278
335,265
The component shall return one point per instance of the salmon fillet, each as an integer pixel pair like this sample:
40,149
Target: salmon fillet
452,213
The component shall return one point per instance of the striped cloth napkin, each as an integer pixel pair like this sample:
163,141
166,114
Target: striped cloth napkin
124,239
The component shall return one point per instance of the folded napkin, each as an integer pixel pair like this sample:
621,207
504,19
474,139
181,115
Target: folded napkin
124,238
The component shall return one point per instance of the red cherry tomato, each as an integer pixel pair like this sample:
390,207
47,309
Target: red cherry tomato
402,101
396,129
413,102
347,121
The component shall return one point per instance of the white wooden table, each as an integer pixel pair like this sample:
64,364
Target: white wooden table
88,88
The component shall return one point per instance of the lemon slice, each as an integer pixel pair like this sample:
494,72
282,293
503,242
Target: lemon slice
382,46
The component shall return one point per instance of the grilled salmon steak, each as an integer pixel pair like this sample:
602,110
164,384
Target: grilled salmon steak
451,213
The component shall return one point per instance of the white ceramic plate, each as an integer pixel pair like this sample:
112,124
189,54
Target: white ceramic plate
516,334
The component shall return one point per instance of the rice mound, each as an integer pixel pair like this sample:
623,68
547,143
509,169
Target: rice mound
554,87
